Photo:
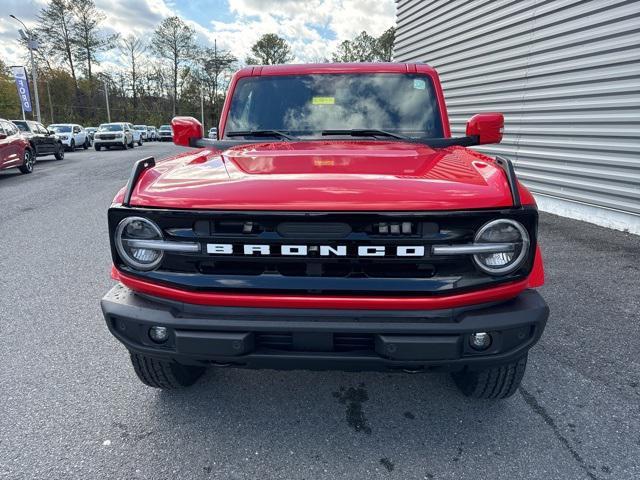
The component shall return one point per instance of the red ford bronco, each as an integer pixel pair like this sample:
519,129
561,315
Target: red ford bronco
335,223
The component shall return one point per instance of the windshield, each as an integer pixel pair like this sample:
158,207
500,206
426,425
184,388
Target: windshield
139,127
60,128
91,129
308,104
21,125
110,127
165,127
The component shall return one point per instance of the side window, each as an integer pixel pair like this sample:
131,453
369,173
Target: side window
76,129
9,128
2,129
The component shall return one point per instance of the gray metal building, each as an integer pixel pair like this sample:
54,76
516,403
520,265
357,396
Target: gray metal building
566,74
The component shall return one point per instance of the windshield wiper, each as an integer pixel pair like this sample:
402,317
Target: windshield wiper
365,132
261,133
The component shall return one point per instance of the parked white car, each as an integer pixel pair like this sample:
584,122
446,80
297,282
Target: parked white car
71,135
152,132
117,134
144,133
137,134
213,132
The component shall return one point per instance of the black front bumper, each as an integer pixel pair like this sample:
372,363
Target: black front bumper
326,339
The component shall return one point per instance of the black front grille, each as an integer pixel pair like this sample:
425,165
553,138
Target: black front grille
313,272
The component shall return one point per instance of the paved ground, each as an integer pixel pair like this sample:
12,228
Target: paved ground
71,406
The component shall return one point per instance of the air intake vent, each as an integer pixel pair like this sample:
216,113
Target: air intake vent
304,230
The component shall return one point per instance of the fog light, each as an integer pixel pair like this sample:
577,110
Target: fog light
480,340
159,334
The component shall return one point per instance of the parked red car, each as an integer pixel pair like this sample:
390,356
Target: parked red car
15,151
336,224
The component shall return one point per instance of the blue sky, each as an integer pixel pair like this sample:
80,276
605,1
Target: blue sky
313,27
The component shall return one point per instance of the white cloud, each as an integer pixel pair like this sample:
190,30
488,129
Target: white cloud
312,27
301,22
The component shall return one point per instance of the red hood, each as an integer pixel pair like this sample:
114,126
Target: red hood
326,176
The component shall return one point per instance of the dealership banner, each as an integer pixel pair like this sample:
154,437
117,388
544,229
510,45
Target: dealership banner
20,74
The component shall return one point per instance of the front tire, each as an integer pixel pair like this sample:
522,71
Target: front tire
59,155
86,144
72,146
165,375
97,147
132,144
140,142
29,162
497,382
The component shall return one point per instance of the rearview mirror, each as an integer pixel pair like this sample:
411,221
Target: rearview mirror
186,130
487,127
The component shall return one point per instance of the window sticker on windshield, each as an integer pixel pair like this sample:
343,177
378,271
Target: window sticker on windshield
323,100
419,84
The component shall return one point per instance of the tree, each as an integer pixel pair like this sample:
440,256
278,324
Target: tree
174,41
366,48
56,25
9,101
132,47
360,49
215,67
384,45
270,49
86,34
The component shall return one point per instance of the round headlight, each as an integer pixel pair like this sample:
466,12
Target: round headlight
502,231
128,231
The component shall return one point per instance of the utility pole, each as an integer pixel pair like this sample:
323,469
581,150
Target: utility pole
215,81
106,98
202,107
50,104
31,45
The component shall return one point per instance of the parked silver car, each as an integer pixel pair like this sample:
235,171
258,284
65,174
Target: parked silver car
165,133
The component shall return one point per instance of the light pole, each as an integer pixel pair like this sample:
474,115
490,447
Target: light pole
31,45
106,99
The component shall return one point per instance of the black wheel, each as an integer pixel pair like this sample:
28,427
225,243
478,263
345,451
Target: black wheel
97,147
132,144
125,145
501,381
72,147
29,162
86,143
59,154
165,375
140,142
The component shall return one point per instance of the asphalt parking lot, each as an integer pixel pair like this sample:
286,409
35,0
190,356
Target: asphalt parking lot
72,408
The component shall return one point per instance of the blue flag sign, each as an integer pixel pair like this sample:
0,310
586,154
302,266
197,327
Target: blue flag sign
20,74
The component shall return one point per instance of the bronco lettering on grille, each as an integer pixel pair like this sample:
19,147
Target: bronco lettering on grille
316,250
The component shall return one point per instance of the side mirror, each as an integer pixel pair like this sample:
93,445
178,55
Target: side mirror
51,132
3,136
486,127
186,130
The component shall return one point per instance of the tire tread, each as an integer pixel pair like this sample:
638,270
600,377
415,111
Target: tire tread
497,382
162,374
